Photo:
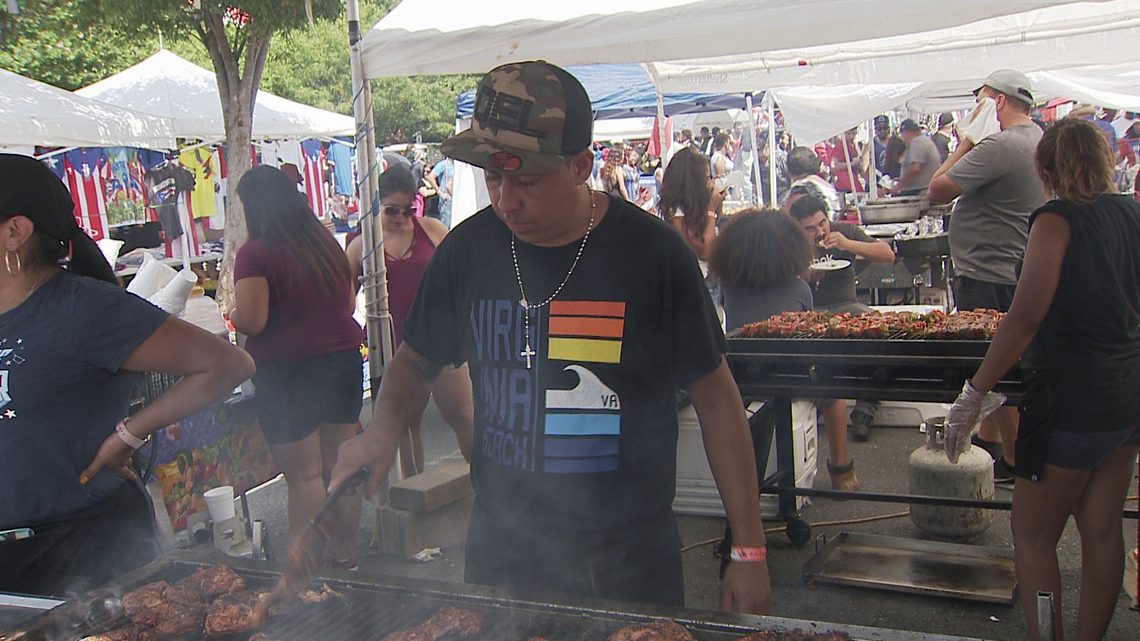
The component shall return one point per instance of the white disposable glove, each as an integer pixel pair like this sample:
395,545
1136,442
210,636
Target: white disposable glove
964,415
981,122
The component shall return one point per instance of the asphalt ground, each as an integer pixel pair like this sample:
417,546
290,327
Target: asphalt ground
881,464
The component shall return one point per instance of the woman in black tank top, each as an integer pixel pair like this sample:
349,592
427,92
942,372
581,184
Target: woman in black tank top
1075,324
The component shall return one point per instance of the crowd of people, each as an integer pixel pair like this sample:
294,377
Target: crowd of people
555,329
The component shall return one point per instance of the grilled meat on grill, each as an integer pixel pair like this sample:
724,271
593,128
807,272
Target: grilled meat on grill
449,621
129,633
319,596
188,591
236,612
172,620
146,597
217,580
660,630
456,621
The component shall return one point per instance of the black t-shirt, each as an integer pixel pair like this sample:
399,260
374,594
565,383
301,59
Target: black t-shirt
164,183
838,286
586,440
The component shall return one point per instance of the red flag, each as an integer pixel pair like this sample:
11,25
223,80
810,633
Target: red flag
655,140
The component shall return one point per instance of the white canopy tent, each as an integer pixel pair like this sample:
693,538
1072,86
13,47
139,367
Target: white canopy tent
36,113
170,86
1077,50
1047,39
457,36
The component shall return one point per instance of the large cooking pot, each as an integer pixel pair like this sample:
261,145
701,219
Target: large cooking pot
923,246
892,210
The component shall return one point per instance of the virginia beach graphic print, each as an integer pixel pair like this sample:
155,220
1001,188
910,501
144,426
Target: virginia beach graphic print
573,427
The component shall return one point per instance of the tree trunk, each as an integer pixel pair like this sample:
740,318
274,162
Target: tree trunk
237,86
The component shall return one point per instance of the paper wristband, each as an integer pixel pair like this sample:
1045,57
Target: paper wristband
131,440
743,554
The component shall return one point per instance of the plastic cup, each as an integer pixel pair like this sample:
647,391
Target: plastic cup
220,502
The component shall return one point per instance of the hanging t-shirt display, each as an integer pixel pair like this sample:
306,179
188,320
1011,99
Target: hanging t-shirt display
163,184
314,176
88,172
342,157
200,162
125,187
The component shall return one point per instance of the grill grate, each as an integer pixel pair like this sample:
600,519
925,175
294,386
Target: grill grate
372,609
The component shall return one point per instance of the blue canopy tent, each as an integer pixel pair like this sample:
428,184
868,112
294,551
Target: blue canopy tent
625,91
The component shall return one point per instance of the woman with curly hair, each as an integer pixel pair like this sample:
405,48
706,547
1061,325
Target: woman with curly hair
689,200
760,258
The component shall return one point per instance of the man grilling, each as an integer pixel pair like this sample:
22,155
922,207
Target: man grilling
997,187
580,316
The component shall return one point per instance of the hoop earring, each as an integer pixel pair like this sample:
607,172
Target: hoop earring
8,263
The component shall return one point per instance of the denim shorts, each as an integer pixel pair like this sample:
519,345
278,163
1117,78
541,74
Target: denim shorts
293,399
1087,450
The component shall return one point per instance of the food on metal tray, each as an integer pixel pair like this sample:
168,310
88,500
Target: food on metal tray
937,325
448,622
660,630
795,635
236,612
129,633
261,636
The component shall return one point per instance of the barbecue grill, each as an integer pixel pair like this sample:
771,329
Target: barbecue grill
780,369
376,605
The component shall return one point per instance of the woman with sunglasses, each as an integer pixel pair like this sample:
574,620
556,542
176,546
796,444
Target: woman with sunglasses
409,243
294,300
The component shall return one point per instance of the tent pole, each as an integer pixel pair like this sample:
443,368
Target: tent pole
757,195
850,174
662,136
873,179
375,283
774,202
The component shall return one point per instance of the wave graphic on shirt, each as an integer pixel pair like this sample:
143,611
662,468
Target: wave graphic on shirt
582,427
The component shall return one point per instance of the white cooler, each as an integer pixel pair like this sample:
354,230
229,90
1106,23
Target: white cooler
696,490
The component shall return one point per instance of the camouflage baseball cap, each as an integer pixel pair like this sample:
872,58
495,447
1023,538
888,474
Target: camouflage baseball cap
528,116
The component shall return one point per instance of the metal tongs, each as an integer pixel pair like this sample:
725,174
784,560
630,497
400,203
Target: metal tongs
306,552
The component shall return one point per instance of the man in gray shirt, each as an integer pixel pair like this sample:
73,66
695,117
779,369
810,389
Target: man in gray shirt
997,188
919,163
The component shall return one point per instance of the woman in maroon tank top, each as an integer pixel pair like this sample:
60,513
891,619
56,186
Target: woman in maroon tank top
409,243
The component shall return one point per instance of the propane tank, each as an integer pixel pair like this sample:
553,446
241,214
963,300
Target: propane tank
932,474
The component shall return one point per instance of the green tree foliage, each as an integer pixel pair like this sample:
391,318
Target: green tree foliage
309,64
67,43
58,42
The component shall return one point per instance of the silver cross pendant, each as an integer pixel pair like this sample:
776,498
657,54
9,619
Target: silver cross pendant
528,353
